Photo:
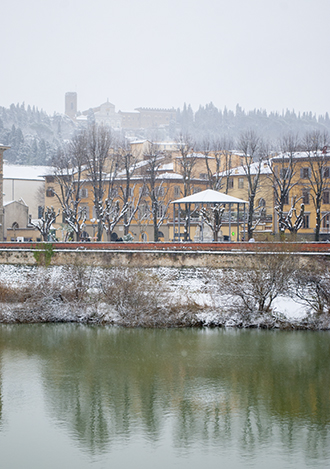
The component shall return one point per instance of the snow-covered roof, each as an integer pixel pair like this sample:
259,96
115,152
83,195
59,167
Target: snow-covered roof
301,154
241,170
170,176
34,173
167,167
134,142
19,201
209,196
195,155
139,164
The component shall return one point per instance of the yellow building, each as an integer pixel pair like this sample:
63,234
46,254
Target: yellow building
310,178
169,184
235,183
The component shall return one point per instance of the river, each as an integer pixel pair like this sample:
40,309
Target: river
76,396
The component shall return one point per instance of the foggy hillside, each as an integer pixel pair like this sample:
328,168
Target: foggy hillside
34,135
209,121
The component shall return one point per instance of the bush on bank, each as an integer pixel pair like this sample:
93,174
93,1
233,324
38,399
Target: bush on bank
170,297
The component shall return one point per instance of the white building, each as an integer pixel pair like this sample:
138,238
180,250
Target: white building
27,183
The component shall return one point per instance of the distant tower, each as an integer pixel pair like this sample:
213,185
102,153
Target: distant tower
71,104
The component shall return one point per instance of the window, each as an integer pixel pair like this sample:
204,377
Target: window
230,183
196,190
114,192
305,197
326,197
326,222
160,211
83,193
177,191
326,172
203,176
305,173
285,173
241,183
130,211
143,210
84,209
40,211
262,203
306,221
143,190
50,192
130,192
161,191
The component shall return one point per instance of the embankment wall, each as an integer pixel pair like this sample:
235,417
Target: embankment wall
220,255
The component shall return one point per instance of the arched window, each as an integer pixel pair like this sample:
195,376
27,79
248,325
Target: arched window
144,237
262,202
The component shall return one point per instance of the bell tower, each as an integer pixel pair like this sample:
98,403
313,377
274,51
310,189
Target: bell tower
71,104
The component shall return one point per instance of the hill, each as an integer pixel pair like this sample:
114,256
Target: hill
33,135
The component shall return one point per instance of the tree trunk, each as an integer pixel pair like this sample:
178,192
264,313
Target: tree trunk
99,230
155,224
318,221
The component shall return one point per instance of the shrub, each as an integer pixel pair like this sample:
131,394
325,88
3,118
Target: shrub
43,255
312,286
259,282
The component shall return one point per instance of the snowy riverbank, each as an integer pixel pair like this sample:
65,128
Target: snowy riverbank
163,297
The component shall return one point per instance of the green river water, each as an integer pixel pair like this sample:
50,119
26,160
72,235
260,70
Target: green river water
75,396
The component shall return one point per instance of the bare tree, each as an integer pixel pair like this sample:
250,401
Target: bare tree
97,150
286,219
112,214
252,150
260,282
315,145
311,285
127,188
220,150
68,171
154,187
44,223
187,161
213,218
283,179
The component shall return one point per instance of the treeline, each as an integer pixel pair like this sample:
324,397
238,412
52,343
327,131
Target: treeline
209,121
32,134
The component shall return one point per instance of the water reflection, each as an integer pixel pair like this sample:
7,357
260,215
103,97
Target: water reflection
214,389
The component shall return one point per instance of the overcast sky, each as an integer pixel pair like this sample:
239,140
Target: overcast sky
269,54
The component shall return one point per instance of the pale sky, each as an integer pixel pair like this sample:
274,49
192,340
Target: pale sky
269,54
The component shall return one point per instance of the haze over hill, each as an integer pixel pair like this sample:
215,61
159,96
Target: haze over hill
34,136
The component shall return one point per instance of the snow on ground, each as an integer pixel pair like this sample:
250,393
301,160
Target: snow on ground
199,286
290,308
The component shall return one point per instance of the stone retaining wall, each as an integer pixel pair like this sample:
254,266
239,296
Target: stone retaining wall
147,258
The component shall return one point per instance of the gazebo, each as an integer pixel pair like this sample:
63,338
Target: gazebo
208,197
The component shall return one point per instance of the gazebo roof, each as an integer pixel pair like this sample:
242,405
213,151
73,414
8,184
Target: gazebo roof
209,197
